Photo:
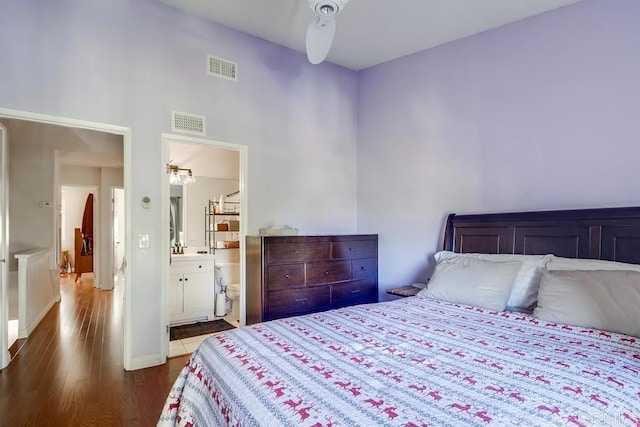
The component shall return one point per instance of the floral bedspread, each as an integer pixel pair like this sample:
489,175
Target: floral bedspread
409,362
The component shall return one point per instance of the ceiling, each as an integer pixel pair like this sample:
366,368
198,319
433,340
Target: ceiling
84,147
369,32
204,160
81,147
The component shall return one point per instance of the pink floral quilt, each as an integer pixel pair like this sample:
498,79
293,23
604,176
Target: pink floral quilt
409,362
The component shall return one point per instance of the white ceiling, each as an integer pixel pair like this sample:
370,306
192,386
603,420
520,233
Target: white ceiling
81,147
203,160
369,32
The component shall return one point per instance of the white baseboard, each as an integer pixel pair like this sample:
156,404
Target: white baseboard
147,362
25,332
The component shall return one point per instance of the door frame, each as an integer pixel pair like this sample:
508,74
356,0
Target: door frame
125,132
112,268
5,357
166,138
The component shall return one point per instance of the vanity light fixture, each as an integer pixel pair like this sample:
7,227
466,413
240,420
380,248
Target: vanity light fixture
179,175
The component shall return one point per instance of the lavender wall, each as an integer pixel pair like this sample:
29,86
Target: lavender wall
131,62
540,114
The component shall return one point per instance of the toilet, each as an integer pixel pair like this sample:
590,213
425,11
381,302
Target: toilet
233,291
233,307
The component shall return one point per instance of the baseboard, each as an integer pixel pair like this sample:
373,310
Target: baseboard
25,332
147,362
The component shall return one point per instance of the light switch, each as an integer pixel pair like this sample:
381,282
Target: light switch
143,240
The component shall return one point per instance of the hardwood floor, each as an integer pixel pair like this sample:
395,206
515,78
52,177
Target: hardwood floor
69,371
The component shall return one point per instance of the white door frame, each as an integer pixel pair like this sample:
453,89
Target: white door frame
5,357
114,252
125,132
164,209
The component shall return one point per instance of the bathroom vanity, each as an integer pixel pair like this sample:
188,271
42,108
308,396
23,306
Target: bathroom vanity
191,288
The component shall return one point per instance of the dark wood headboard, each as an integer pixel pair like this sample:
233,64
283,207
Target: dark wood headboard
610,234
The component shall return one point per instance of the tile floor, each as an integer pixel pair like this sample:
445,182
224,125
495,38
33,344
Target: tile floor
186,346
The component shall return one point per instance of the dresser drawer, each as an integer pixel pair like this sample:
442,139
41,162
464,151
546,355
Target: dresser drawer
297,301
179,267
285,276
328,272
352,249
364,268
357,292
297,252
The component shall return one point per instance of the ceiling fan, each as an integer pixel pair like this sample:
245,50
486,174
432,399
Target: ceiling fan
322,28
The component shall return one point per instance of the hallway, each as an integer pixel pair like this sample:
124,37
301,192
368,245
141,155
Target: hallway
70,372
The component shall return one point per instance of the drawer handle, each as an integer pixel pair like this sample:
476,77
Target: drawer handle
353,249
296,252
180,279
186,279
355,291
302,300
199,266
331,272
286,276
363,268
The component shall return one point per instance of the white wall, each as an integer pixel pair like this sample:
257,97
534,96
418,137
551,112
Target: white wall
103,223
132,62
79,175
31,178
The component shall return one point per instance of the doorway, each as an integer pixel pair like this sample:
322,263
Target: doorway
220,169
51,135
72,204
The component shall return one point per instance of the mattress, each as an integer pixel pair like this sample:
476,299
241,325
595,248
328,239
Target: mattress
409,362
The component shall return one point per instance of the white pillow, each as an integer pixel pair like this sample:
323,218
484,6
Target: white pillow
472,281
601,299
525,287
560,263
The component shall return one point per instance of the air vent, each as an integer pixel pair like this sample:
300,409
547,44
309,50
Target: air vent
188,123
222,68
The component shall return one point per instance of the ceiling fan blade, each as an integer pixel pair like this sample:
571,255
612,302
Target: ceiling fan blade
320,34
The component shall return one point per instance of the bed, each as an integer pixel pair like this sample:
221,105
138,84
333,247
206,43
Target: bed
431,361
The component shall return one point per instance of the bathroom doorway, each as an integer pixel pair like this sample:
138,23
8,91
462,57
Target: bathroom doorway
200,227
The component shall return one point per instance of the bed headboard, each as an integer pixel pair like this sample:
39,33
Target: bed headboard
610,234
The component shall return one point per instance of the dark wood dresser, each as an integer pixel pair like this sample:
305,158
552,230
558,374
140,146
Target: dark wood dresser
292,275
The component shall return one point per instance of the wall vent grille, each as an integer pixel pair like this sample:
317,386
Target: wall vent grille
188,123
222,68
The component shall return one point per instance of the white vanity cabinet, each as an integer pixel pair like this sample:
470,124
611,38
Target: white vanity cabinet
191,288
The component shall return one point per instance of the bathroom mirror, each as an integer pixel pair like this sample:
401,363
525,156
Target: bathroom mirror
176,215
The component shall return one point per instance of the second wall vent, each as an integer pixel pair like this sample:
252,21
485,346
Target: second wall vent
222,68
186,122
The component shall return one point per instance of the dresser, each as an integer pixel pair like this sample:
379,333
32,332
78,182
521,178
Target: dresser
292,275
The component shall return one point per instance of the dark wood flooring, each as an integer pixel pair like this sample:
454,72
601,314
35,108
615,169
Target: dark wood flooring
69,372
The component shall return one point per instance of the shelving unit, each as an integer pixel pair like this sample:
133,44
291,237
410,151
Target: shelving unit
222,238
215,220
